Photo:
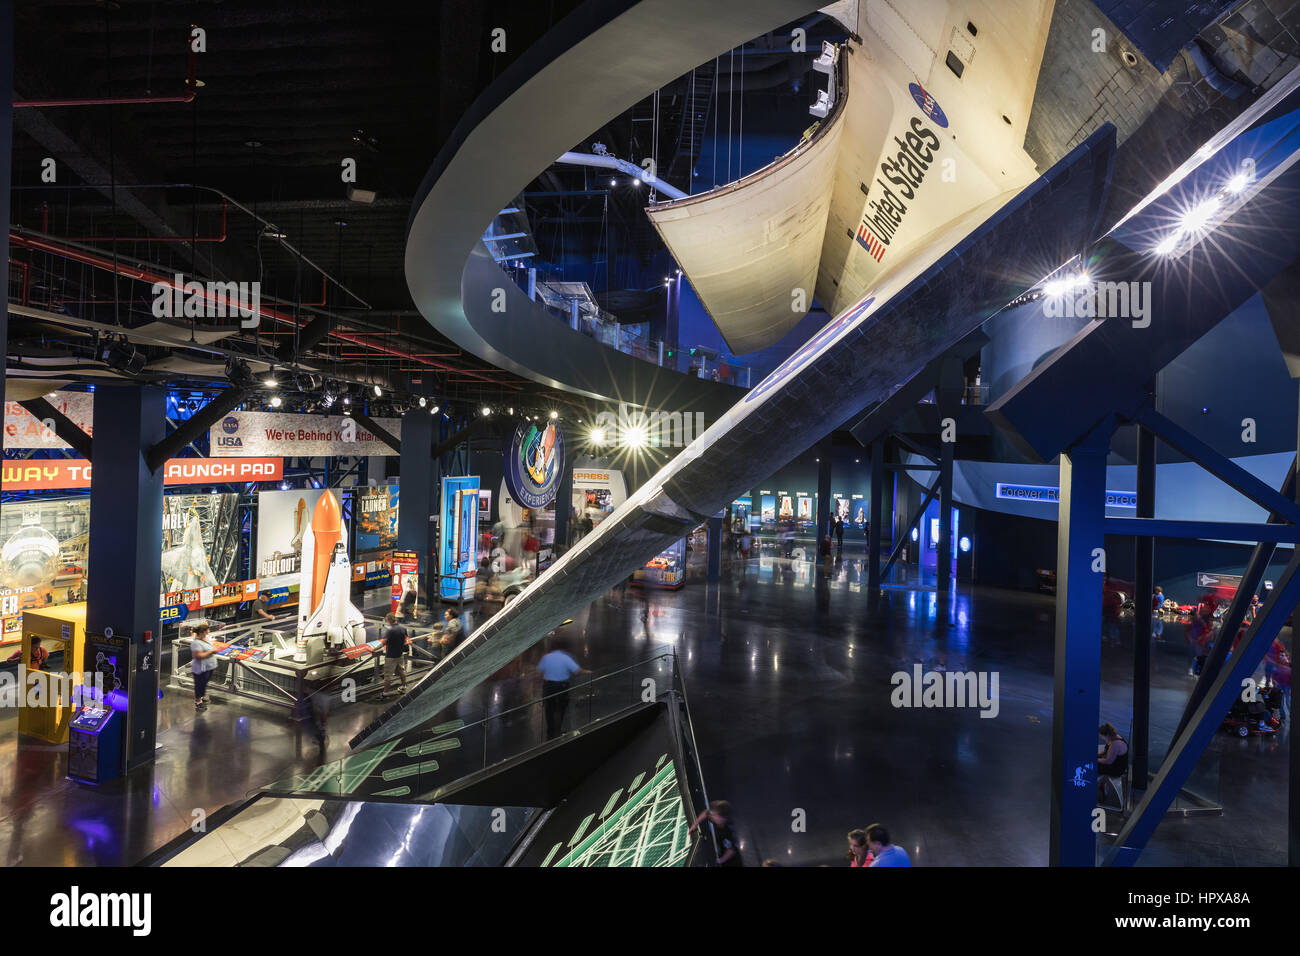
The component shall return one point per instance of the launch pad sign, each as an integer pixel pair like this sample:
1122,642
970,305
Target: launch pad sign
60,473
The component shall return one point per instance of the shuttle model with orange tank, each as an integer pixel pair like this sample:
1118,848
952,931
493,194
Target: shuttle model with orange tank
325,608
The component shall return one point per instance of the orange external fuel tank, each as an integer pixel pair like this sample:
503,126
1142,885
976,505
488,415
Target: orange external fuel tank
326,531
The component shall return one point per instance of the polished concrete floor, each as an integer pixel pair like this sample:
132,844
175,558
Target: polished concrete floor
788,673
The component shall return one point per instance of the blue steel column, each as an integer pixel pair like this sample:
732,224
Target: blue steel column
943,563
125,565
824,450
1077,688
715,548
876,516
1144,587
417,500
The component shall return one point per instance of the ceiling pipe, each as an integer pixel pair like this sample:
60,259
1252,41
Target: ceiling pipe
622,166
143,275
226,198
219,238
191,91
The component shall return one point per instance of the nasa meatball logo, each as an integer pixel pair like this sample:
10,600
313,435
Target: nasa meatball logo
230,425
534,462
928,104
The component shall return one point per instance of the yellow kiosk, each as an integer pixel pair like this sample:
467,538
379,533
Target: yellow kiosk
63,629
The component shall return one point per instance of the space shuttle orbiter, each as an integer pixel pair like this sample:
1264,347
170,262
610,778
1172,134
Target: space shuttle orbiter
325,607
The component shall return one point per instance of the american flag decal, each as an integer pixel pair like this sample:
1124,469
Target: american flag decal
869,242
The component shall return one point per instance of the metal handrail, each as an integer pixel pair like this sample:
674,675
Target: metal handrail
589,682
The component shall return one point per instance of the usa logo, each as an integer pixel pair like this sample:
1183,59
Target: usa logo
230,425
928,105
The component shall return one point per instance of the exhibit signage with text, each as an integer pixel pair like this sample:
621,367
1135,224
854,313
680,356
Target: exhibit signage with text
67,473
250,434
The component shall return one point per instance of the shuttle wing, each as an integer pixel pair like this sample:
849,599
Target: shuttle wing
910,149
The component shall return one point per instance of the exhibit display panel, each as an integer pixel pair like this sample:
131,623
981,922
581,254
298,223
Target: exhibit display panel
458,538
43,558
282,519
200,542
375,516
667,569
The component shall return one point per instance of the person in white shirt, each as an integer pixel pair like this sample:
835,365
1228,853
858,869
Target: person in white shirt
203,661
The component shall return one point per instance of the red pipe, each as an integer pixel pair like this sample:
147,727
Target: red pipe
220,238
142,275
191,90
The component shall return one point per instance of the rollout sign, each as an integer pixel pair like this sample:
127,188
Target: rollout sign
75,473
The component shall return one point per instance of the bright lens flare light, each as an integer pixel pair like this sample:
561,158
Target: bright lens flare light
1068,283
598,436
1199,216
1237,183
636,436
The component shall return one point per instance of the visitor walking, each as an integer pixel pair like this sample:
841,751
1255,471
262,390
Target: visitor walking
557,668
394,637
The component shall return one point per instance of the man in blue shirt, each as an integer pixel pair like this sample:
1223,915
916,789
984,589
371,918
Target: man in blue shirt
885,853
556,668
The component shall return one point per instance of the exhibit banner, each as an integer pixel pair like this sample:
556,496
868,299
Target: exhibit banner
405,574
374,512
255,434
200,542
534,463
458,538
282,520
43,557
67,473
178,604
24,430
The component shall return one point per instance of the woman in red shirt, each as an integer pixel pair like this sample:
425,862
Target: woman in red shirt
859,852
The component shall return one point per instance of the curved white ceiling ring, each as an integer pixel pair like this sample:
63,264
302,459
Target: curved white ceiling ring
594,65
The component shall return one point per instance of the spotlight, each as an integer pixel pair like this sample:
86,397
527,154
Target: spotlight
270,381
378,391
1237,183
554,415
434,410
510,411
636,437
598,436
486,411
238,372
613,182
423,401
347,399
276,401
121,356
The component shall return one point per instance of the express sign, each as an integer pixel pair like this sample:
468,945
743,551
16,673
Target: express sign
75,473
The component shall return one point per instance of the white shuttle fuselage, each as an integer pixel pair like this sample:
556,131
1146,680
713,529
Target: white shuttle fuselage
325,606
